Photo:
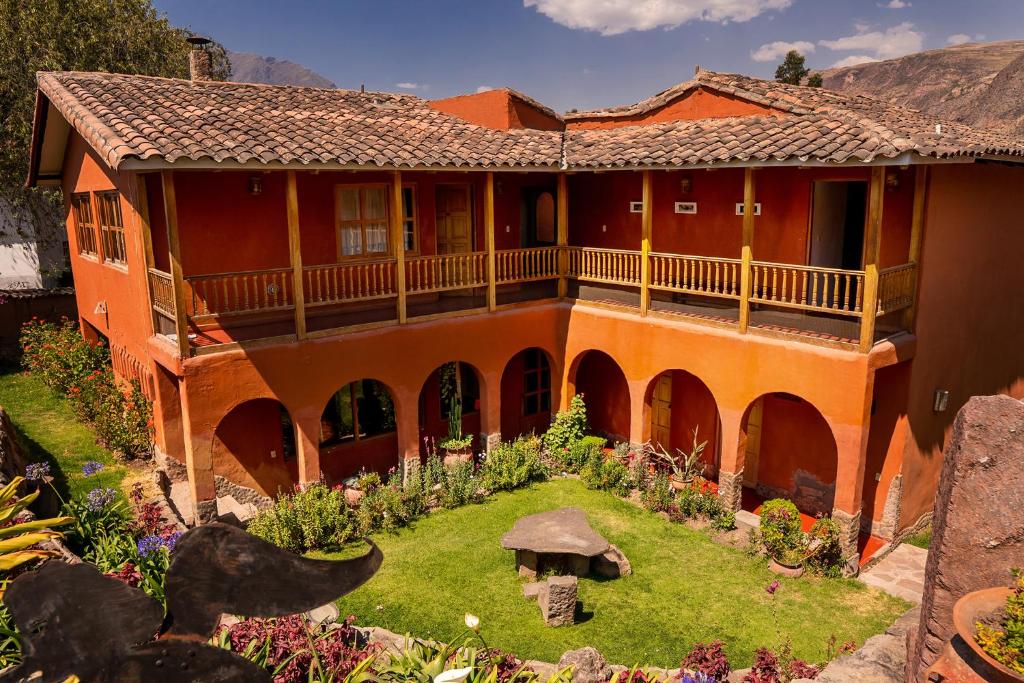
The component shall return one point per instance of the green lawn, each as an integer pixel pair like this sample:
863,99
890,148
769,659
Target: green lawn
47,427
684,588
922,539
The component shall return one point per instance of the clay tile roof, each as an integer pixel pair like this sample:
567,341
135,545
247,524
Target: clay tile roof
138,117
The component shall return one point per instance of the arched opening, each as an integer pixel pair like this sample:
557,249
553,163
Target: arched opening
526,398
788,451
254,447
452,388
358,430
603,384
678,404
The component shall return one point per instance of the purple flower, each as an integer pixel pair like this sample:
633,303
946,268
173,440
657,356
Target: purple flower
92,467
149,545
695,677
100,498
772,587
171,540
37,471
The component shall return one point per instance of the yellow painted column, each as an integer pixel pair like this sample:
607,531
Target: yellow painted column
646,230
295,255
398,242
747,253
872,249
174,253
563,234
492,290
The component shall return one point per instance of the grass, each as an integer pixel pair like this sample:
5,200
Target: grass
922,539
685,588
47,428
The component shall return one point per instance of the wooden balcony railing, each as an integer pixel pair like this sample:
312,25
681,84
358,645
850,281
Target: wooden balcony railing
610,266
445,272
808,288
343,282
718,277
162,288
525,265
245,292
896,288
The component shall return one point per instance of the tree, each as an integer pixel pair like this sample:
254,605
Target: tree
814,80
119,36
792,69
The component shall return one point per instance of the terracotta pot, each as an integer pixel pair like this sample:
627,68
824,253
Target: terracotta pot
353,496
969,610
452,457
680,484
792,571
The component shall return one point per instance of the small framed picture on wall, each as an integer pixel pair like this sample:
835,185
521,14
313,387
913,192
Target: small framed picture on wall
686,207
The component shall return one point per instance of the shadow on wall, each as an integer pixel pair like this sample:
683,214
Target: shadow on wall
254,446
603,384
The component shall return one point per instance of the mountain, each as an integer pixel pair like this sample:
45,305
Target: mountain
249,68
981,84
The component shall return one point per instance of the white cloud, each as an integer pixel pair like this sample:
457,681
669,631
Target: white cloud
958,39
483,88
406,85
853,60
893,42
769,52
611,17
894,4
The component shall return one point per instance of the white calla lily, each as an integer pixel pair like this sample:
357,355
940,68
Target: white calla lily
472,622
453,675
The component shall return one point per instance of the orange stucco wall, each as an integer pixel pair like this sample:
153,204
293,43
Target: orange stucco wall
497,109
606,394
693,407
248,448
696,104
513,422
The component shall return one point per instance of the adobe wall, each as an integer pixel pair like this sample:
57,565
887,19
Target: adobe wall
698,104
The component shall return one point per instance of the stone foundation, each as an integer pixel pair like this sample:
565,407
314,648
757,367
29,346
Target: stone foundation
849,535
809,494
887,526
242,494
730,489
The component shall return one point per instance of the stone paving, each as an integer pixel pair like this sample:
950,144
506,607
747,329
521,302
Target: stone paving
900,573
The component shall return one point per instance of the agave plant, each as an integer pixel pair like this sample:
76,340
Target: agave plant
685,466
17,539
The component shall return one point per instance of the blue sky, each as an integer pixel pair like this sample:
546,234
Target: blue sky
581,53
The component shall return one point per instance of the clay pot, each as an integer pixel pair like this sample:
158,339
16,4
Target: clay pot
975,607
792,571
680,484
452,457
353,496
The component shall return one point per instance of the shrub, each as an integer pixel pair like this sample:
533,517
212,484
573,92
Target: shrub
567,427
314,519
827,558
513,464
580,452
384,508
658,496
605,474
765,669
708,659
780,527
458,486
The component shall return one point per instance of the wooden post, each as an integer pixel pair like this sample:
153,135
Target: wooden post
872,248
746,255
142,212
398,240
646,226
174,252
916,233
563,235
295,250
492,289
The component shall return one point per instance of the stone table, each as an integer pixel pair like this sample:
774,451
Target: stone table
561,540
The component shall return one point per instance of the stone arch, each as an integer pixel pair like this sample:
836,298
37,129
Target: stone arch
675,403
788,450
358,430
528,395
601,380
469,387
254,446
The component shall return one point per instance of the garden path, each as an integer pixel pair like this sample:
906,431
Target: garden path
900,573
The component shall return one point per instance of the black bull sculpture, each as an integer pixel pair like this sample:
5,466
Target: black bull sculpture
74,621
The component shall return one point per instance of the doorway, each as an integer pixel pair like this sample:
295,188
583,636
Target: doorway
661,412
454,213
752,447
538,215
838,214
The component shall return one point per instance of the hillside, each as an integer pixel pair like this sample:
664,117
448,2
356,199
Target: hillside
250,68
979,84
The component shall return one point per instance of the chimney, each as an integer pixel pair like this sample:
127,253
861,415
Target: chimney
200,62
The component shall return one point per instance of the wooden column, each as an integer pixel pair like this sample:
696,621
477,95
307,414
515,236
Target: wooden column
295,251
746,255
872,248
145,233
563,234
398,240
492,290
916,233
646,226
174,253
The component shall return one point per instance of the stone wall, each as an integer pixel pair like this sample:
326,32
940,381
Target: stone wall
12,458
979,519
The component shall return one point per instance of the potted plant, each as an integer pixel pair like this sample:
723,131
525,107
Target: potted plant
359,485
457,447
991,622
783,539
685,467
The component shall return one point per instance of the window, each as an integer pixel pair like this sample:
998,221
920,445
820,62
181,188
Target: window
536,383
361,410
362,220
409,217
108,209
85,229
287,435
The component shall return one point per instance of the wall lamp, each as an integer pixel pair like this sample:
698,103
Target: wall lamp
255,185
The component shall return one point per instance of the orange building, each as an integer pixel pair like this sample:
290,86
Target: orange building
816,282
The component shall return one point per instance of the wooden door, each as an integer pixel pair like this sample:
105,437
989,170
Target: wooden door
454,219
752,449
661,411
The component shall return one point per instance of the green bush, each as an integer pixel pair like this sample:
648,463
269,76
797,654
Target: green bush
658,496
605,473
780,527
827,558
567,427
581,452
459,486
384,508
513,464
314,519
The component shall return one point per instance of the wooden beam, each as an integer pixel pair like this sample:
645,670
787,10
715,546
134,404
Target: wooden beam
563,234
916,237
398,241
295,255
142,211
646,228
174,253
872,249
492,290
747,253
